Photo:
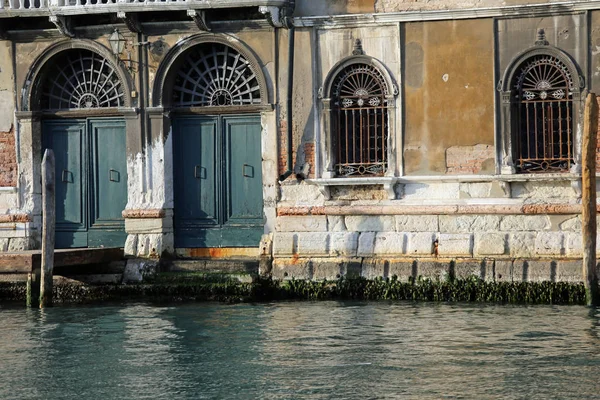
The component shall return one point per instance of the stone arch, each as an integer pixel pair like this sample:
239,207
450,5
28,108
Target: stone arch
32,87
165,76
514,66
391,88
510,156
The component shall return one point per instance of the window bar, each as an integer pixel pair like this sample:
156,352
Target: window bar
375,136
353,137
361,136
368,156
560,141
568,103
544,132
346,141
339,137
527,112
382,136
535,129
551,129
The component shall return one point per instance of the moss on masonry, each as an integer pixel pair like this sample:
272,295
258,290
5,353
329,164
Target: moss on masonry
219,287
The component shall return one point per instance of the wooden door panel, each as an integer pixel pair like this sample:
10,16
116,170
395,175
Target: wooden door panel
217,181
195,170
108,182
244,172
109,172
67,140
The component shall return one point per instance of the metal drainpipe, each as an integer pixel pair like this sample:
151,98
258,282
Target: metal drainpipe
290,93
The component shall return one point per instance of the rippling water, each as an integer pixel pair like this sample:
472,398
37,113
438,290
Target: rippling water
300,350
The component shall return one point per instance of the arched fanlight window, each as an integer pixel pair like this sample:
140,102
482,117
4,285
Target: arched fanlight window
543,89
80,78
214,74
360,121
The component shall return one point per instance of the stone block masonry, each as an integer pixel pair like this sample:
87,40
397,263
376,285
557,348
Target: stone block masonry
536,241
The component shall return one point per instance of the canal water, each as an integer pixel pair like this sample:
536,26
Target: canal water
300,350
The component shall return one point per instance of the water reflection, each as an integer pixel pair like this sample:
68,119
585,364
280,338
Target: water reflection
325,350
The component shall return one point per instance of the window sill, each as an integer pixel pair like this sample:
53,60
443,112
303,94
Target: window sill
388,183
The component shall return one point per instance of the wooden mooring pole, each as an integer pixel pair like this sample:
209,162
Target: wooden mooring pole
48,225
588,198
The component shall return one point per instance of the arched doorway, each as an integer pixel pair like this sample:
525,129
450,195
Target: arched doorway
214,92
79,92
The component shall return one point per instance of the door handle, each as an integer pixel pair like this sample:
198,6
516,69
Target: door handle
197,172
64,176
113,175
251,174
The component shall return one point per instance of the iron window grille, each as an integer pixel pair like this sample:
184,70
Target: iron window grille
81,79
360,121
213,74
544,101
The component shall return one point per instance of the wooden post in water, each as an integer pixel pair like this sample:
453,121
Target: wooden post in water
588,198
48,225
29,294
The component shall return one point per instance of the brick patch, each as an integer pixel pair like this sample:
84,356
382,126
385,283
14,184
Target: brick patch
8,159
143,213
468,159
309,157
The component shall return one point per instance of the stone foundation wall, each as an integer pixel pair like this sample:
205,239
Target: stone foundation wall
406,269
523,230
500,236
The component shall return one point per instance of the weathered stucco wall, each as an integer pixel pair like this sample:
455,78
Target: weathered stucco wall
567,32
332,7
594,52
448,92
8,155
427,5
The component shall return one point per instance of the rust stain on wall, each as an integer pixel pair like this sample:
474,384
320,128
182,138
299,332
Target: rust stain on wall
449,92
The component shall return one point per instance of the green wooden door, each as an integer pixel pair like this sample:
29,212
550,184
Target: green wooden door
91,181
218,181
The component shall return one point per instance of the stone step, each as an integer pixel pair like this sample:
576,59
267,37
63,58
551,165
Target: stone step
232,266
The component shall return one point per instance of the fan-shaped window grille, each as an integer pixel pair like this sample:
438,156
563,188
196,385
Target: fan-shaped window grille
544,97
81,79
360,121
213,74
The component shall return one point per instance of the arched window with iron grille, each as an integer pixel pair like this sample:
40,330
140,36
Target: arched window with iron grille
543,89
359,121
80,78
214,74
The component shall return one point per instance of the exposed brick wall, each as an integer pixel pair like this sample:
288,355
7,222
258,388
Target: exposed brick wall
470,159
309,157
8,159
598,143
282,157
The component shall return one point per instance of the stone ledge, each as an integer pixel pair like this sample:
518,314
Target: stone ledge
12,218
144,213
442,209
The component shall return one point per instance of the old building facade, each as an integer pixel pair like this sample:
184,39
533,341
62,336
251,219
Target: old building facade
373,137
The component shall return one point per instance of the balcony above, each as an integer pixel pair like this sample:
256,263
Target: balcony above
45,8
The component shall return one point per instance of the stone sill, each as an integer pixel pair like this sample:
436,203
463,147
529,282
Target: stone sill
388,183
8,189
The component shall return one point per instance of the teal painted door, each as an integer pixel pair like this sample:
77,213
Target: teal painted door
218,181
91,181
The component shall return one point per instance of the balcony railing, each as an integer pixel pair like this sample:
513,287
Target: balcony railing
66,7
